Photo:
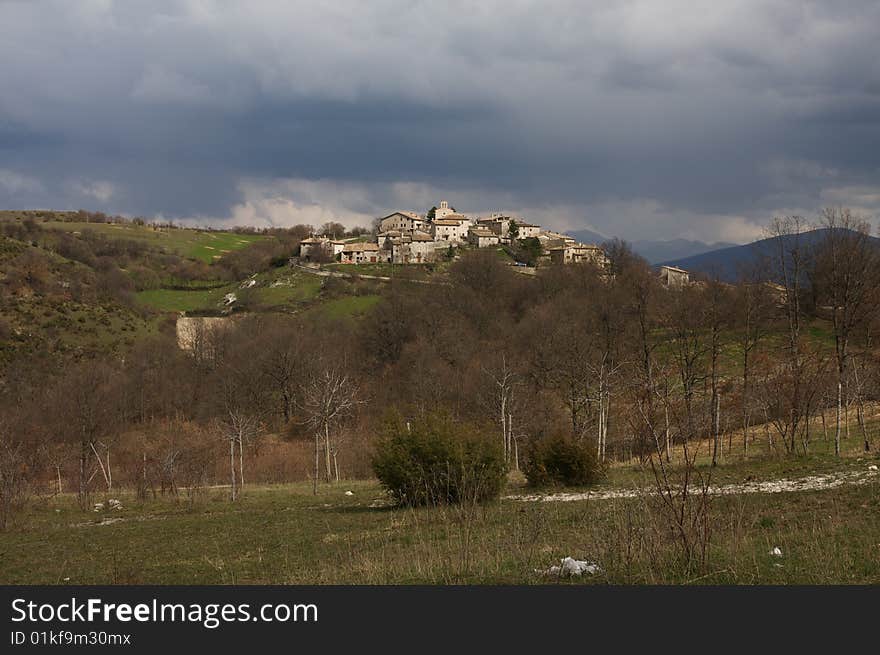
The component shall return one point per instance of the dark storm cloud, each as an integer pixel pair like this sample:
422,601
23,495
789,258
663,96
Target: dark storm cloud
640,118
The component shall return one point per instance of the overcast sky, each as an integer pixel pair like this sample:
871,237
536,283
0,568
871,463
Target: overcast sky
640,119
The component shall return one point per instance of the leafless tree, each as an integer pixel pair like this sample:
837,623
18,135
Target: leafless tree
505,381
790,266
753,308
243,408
86,414
845,275
329,395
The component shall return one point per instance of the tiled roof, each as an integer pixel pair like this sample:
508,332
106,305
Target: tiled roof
360,247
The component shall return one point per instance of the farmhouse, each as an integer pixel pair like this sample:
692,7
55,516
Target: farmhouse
671,276
319,247
384,239
526,230
453,230
579,253
360,253
402,221
415,248
551,240
481,237
497,223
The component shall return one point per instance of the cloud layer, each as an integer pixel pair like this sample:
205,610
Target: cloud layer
642,119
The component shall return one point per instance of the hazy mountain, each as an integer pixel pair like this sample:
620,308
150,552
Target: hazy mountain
588,236
727,263
655,250
661,251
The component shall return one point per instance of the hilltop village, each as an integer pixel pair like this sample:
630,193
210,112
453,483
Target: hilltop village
407,237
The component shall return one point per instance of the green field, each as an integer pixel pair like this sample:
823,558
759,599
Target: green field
195,244
281,289
72,327
285,535
176,300
287,287
384,269
349,306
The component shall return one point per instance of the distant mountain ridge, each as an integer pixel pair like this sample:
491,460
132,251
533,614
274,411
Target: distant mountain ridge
587,236
728,263
659,251
656,250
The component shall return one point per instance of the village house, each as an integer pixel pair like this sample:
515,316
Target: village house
415,248
526,230
481,237
360,252
385,239
453,230
315,248
402,221
579,253
674,277
497,223
551,240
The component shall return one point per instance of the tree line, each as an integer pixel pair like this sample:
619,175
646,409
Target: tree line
610,359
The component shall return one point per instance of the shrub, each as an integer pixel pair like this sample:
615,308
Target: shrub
438,461
558,460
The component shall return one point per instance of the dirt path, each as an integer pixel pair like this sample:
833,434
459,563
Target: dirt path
365,276
809,483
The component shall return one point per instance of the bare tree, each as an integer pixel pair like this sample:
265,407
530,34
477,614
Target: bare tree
329,395
686,322
243,408
753,309
505,381
790,266
85,400
845,274
281,363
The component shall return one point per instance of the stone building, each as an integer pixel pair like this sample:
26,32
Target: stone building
402,221
579,253
671,276
360,253
481,237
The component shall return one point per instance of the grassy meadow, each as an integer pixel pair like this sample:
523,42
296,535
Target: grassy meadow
286,535
205,245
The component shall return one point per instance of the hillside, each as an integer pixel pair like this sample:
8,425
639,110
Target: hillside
76,284
587,236
728,263
204,245
661,251
655,250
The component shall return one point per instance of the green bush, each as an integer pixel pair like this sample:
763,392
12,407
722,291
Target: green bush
558,460
436,461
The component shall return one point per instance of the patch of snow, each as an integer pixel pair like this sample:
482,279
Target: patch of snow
568,566
809,483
